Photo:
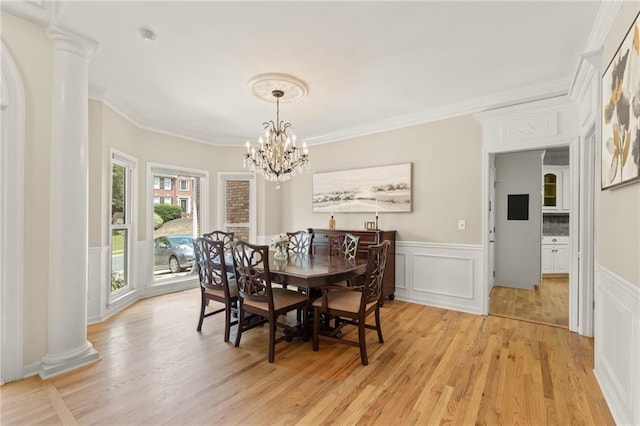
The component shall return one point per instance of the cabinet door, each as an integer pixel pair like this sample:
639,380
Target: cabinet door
547,259
566,194
551,190
561,259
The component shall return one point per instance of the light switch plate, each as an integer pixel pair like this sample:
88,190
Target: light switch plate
462,225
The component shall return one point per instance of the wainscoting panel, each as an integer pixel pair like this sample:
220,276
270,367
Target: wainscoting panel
443,275
97,273
617,344
401,270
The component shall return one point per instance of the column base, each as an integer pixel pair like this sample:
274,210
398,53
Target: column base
54,365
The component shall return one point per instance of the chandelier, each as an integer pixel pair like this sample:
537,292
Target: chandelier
277,156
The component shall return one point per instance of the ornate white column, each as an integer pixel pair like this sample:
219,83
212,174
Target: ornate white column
68,347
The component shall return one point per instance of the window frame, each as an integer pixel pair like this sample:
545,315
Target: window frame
130,165
168,169
253,221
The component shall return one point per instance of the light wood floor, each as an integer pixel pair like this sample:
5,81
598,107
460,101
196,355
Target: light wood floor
436,366
547,304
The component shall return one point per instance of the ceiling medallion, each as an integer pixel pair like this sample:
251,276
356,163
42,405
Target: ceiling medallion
263,85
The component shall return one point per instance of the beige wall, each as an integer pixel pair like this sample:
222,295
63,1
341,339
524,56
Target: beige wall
31,50
618,210
446,157
109,129
169,150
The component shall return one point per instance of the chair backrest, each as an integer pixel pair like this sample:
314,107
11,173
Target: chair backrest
344,245
212,269
376,262
252,272
225,237
299,242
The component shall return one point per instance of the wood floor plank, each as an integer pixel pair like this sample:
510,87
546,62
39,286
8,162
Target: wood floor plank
435,367
548,303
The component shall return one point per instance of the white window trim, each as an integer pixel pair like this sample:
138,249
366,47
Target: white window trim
186,185
127,161
253,221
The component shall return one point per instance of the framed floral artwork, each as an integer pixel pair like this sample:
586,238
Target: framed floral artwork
621,113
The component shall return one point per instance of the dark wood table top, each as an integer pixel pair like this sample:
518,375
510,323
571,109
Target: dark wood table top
314,270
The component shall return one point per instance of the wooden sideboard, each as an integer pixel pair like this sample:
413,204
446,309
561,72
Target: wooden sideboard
320,245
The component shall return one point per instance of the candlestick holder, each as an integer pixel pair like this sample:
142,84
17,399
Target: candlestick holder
377,223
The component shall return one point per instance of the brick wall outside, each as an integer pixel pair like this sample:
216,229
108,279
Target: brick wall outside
238,207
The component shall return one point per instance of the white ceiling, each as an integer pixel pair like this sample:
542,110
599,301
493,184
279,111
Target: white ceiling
368,65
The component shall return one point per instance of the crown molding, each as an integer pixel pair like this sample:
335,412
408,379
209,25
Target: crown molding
541,106
513,97
602,24
588,65
99,94
472,106
31,11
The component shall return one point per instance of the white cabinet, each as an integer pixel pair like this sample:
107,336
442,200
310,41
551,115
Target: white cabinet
556,194
555,255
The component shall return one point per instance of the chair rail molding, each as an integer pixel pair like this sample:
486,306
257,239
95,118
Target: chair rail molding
442,275
12,159
617,344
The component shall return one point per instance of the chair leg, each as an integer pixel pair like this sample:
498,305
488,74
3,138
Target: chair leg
378,326
202,308
362,342
227,321
240,323
316,327
272,338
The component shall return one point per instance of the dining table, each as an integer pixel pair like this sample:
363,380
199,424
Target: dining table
314,270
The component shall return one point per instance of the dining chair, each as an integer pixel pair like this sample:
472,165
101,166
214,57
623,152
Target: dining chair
214,281
299,242
343,245
354,304
257,296
225,237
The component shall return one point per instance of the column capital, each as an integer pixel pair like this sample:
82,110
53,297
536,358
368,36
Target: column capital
72,42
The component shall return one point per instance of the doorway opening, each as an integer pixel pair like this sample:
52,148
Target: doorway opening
530,253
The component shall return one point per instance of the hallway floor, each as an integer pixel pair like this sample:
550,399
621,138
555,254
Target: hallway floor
547,304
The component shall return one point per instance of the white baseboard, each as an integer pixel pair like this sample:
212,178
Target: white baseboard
617,344
447,276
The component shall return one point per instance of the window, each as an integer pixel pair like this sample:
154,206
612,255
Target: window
184,205
156,183
177,225
237,204
122,173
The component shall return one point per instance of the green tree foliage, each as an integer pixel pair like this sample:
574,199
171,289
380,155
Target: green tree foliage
168,211
117,190
157,221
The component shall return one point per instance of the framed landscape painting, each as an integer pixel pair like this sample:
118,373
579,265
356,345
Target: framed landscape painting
621,113
372,189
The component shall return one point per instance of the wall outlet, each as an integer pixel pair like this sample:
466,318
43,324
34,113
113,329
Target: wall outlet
462,225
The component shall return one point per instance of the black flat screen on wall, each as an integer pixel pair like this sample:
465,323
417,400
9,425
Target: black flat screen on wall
518,207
